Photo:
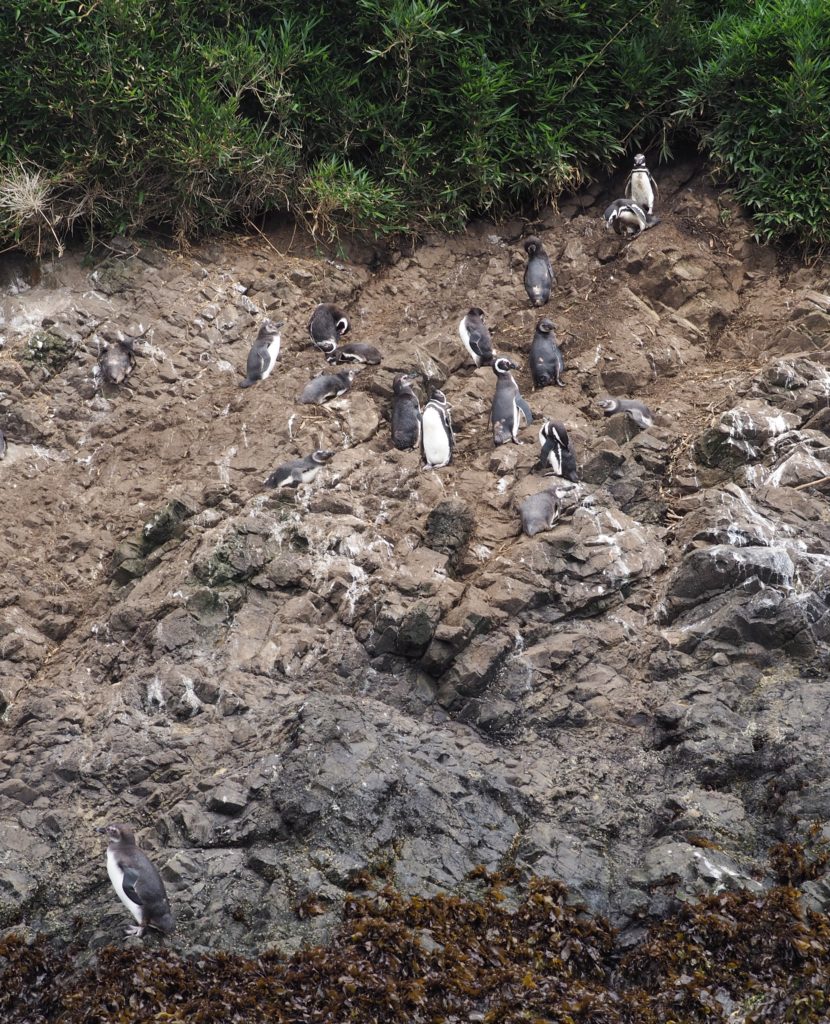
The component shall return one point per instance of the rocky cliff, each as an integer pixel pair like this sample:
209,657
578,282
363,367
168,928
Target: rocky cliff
380,677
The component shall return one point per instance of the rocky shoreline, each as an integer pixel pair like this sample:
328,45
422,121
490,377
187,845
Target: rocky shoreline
288,694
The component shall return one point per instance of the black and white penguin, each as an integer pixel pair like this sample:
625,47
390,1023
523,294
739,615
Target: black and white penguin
437,438
508,408
636,411
539,277
117,361
540,511
625,217
137,882
546,362
298,471
406,412
356,352
475,337
640,186
327,385
328,323
264,353
556,454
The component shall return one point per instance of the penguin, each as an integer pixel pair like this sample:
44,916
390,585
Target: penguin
264,353
627,218
546,362
298,471
539,277
640,186
117,361
557,453
356,352
137,882
325,386
636,411
406,412
437,437
328,323
540,511
509,408
476,337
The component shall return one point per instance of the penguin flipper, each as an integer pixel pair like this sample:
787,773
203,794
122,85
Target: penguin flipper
524,409
128,883
246,383
544,455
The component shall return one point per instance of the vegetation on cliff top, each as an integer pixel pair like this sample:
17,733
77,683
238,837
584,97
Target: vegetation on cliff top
394,115
522,956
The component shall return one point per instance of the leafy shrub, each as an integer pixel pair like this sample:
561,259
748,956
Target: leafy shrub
760,104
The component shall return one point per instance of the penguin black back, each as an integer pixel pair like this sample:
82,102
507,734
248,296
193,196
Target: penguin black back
328,323
539,278
406,412
546,362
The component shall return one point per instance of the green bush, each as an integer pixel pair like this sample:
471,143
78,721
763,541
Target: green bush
383,115
761,104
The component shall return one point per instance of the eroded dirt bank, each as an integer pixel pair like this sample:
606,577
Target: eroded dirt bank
380,676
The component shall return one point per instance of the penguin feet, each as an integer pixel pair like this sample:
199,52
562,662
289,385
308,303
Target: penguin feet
136,929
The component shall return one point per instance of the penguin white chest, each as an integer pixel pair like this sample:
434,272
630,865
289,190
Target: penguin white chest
641,191
116,877
273,351
308,475
436,440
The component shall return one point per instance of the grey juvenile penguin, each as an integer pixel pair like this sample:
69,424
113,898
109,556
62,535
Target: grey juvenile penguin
356,352
117,361
625,217
264,353
437,438
508,408
406,412
546,362
539,277
328,323
475,337
640,186
298,471
636,411
137,882
539,511
556,454
327,385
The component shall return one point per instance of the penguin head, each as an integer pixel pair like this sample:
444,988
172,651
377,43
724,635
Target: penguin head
404,380
532,245
475,313
119,833
438,397
342,326
270,327
321,456
640,160
328,347
608,405
502,365
545,325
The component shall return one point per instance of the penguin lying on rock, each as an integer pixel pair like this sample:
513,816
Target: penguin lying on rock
137,882
325,386
540,511
625,217
298,471
356,352
636,411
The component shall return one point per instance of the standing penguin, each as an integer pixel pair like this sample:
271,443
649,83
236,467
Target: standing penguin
546,362
328,323
476,337
264,353
640,185
539,511
406,412
298,471
509,408
437,437
117,361
325,386
625,217
636,411
539,277
137,882
557,454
